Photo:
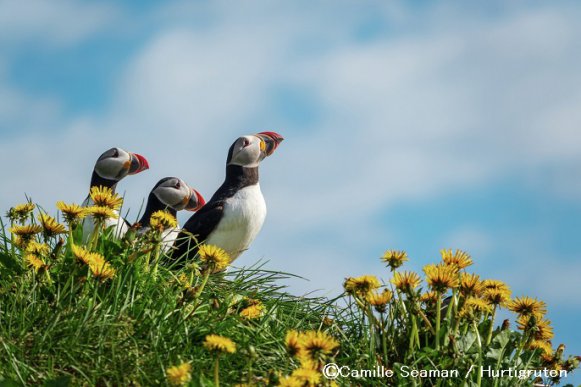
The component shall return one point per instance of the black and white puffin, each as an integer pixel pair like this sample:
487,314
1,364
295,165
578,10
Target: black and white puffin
234,215
170,194
111,167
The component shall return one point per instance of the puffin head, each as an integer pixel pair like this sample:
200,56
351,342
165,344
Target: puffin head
116,163
175,193
249,151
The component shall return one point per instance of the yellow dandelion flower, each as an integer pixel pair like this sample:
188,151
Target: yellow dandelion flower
527,306
540,329
307,376
379,300
289,381
38,248
105,197
162,220
429,298
214,257
292,342
20,211
26,233
361,286
253,311
394,258
544,346
101,213
100,268
82,254
496,296
495,284
50,226
478,305
179,375
316,345
470,285
34,262
218,343
406,281
441,277
71,212
459,259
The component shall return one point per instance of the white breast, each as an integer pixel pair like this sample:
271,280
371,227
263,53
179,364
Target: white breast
241,222
89,224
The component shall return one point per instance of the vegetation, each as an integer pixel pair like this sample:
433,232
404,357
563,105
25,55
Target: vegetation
104,311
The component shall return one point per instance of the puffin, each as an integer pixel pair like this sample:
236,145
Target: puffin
170,194
234,215
111,167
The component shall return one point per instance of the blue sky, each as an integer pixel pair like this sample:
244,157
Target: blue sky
410,126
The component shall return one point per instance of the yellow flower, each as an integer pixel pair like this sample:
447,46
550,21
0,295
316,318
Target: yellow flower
394,258
25,233
101,268
20,211
544,346
71,212
458,259
162,220
215,258
253,311
37,248
361,286
315,345
429,298
50,226
441,277
289,381
495,284
218,343
496,296
34,262
101,213
406,281
307,376
82,254
540,329
527,306
470,285
475,305
292,342
179,375
379,300
105,197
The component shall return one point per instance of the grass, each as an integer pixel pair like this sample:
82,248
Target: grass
65,321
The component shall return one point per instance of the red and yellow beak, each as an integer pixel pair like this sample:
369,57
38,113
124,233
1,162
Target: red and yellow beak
195,201
269,141
137,164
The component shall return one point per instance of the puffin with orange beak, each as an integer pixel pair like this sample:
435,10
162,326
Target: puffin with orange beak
170,194
111,167
234,215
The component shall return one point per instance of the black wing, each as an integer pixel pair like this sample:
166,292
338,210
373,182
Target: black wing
199,226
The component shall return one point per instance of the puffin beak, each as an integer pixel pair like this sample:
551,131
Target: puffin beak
195,201
269,141
137,164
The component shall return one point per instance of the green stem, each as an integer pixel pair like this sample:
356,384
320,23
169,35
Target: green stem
489,335
217,371
438,316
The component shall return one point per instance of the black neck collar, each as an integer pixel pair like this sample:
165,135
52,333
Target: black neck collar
153,205
97,181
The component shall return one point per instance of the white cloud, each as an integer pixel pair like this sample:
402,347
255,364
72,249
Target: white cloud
58,22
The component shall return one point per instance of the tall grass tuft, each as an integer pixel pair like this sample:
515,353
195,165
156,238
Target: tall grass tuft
108,311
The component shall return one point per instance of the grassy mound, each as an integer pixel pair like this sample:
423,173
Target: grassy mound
109,312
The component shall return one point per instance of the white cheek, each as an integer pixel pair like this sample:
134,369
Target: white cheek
110,168
169,196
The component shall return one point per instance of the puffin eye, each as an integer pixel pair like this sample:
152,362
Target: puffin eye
115,153
246,142
178,185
